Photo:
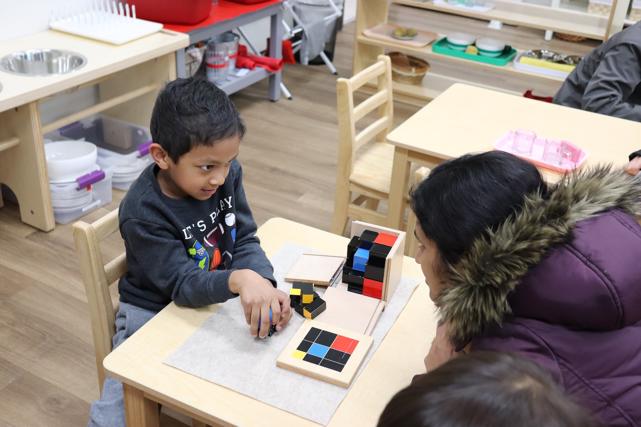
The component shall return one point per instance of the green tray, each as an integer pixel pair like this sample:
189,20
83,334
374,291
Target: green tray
508,54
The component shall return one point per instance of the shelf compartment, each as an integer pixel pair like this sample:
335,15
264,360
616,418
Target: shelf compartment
426,52
528,15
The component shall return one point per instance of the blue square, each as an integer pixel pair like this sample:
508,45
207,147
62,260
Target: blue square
360,259
318,350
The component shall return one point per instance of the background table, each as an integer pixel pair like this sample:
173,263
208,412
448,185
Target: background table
226,16
467,119
138,362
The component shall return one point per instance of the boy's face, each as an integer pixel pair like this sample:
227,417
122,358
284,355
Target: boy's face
199,172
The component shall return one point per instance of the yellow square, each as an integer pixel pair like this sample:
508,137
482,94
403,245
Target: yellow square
294,291
297,354
307,313
308,299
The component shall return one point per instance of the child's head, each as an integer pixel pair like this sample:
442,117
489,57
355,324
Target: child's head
461,200
196,132
484,389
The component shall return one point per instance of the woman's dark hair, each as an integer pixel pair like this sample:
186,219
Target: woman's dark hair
190,112
484,389
463,198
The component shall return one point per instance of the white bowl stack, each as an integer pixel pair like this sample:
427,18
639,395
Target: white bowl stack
76,182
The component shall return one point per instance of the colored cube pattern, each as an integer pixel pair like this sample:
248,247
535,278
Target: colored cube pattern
325,349
364,270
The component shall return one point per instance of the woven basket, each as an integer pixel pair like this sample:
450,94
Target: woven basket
569,37
408,69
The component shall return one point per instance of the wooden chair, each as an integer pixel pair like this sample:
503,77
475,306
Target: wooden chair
97,277
364,169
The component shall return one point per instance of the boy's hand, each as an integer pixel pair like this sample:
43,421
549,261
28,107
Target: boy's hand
634,166
257,296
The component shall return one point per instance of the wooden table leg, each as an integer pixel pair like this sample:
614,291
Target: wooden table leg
23,167
139,411
398,187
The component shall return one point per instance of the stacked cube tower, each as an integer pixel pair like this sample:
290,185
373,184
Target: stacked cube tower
364,270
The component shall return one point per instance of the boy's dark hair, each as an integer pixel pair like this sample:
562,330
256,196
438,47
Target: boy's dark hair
464,198
191,112
484,389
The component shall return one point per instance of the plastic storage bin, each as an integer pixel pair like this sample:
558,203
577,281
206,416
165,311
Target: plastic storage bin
76,198
123,148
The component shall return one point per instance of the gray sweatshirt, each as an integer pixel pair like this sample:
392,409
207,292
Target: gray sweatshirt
184,250
608,79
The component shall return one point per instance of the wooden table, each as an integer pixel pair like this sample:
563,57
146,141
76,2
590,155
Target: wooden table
125,81
138,362
467,119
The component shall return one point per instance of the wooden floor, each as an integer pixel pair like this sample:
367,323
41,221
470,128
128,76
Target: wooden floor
47,372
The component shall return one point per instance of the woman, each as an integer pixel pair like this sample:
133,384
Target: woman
551,273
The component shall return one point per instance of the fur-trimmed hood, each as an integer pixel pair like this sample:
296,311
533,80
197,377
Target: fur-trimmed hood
481,286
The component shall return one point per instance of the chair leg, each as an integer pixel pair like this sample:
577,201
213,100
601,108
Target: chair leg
341,205
410,240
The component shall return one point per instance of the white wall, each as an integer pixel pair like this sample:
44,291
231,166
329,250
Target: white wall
22,17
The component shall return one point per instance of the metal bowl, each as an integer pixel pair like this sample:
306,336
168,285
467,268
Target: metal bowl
42,62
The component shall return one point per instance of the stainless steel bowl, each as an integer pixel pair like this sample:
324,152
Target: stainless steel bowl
42,62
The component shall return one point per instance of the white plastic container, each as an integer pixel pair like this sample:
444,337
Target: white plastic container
75,198
123,148
69,159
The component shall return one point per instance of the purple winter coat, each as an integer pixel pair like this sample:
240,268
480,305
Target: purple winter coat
560,283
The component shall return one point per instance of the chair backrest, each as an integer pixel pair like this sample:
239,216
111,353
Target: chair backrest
350,140
97,277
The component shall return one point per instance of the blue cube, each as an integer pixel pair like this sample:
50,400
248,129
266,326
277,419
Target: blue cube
360,259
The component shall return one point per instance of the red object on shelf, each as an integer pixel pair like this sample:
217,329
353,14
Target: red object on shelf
248,1
529,94
171,11
223,11
245,60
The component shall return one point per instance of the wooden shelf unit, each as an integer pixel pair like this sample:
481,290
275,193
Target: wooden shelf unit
446,70
529,15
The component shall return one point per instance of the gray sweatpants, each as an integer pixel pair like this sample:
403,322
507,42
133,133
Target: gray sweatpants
109,410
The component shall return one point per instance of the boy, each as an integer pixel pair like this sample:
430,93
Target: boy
187,227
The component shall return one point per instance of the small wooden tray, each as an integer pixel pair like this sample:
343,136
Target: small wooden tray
320,270
384,32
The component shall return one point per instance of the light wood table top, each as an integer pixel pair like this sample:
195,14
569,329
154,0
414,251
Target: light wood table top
467,119
102,59
139,360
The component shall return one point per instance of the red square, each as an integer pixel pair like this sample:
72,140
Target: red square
344,344
385,239
372,288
